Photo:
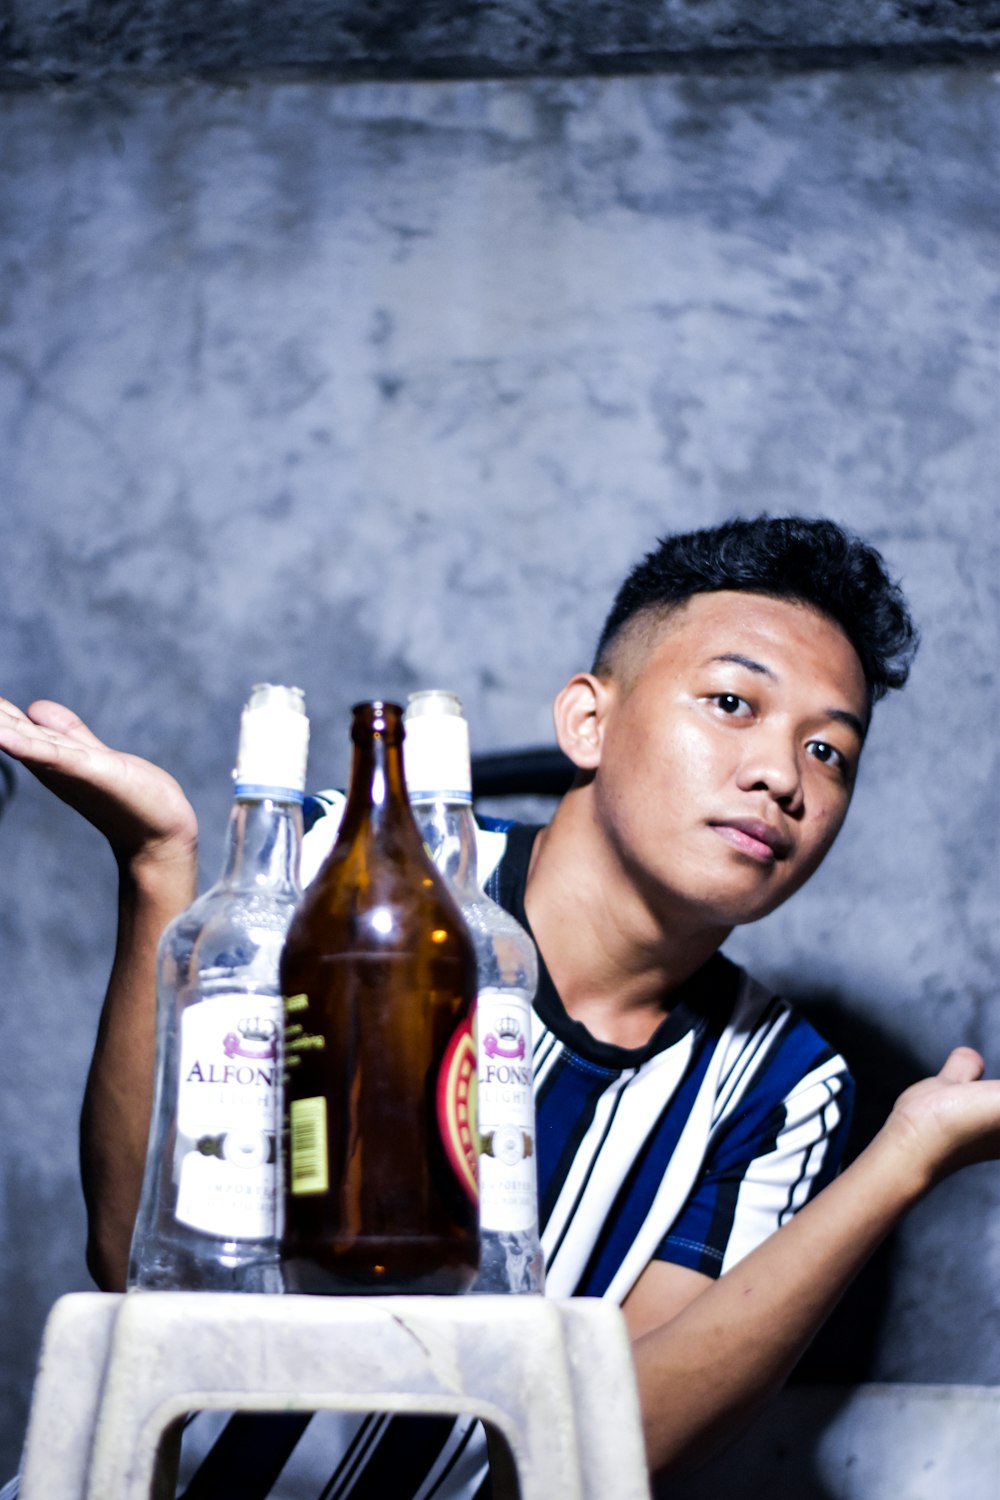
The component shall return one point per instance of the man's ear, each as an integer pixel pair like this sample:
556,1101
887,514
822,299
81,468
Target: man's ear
579,714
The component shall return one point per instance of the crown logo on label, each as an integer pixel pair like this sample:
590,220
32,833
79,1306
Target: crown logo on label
507,1041
257,1029
255,1037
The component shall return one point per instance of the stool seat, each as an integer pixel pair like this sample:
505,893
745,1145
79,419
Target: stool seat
552,1378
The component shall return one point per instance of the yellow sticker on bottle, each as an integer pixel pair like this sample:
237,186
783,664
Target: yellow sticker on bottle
307,1136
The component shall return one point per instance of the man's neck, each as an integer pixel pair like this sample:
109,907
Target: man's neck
616,958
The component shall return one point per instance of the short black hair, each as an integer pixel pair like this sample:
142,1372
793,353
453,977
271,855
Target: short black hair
814,562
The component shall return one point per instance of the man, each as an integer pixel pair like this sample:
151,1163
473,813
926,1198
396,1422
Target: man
717,742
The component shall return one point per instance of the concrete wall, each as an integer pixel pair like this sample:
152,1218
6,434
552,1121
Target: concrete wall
372,386
866,1442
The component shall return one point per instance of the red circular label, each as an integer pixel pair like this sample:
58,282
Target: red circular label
456,1106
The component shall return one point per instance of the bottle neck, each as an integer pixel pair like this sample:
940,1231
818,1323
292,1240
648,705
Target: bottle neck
263,845
376,795
449,831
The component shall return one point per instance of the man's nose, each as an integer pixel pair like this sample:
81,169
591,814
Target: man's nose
771,764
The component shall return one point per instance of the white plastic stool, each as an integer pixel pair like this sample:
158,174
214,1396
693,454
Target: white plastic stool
553,1378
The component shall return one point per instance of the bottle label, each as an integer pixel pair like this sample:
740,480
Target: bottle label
226,1160
507,1176
456,1105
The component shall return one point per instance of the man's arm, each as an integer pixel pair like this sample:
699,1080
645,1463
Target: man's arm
716,1357
118,1100
152,831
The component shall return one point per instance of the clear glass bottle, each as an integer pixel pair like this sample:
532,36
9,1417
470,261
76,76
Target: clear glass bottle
379,976
440,788
208,1216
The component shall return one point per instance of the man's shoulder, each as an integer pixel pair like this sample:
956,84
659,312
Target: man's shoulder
780,1037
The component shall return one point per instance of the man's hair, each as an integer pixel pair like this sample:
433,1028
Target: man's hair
813,562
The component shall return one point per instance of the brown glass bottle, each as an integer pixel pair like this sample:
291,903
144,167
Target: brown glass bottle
379,978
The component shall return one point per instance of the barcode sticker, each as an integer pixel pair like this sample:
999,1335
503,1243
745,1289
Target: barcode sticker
307,1119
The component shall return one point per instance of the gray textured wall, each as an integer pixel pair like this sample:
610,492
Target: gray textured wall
380,385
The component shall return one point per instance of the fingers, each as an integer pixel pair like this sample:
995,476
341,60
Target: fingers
963,1065
56,716
12,710
56,740
19,731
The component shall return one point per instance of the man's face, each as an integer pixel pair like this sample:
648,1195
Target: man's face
728,755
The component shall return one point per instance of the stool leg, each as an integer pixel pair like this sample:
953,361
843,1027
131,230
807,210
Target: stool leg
67,1393
503,1466
608,1419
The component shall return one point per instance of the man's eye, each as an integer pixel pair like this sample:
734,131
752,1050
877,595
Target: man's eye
731,704
828,754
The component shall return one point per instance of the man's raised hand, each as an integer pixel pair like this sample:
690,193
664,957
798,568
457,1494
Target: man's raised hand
141,810
949,1121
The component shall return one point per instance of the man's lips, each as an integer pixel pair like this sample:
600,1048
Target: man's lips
751,836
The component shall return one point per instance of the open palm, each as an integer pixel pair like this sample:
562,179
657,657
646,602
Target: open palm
953,1119
140,808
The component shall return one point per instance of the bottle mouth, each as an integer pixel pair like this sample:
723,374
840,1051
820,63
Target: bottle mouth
274,738
437,765
377,716
275,695
437,703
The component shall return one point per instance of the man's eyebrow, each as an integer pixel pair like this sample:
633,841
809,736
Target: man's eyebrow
838,715
843,716
748,662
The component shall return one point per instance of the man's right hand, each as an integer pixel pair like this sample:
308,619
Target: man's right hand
141,810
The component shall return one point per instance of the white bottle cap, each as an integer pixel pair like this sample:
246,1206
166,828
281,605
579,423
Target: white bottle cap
436,749
274,744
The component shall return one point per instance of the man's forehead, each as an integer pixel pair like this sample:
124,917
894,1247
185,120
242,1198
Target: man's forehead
776,637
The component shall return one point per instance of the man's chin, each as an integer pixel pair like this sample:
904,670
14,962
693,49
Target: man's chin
743,908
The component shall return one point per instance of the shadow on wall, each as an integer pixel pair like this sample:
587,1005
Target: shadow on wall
876,1442
845,1350
788,1450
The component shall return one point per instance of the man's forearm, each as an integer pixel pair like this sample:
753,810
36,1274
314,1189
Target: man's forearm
704,1374
118,1098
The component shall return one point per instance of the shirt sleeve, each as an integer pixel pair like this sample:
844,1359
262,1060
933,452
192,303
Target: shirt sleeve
321,817
764,1164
